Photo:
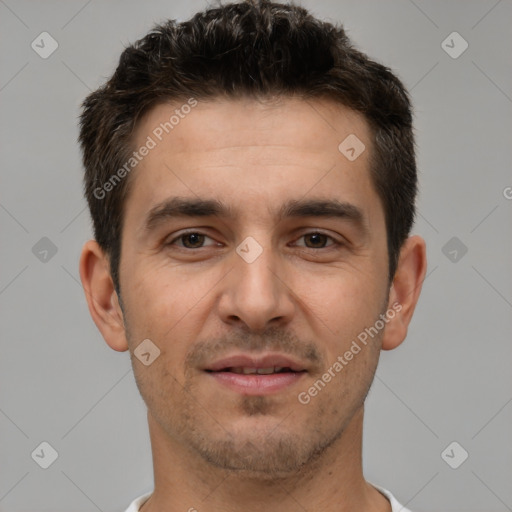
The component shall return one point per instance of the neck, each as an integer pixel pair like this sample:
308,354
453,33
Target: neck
332,482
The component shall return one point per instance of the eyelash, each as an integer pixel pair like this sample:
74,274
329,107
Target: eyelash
183,235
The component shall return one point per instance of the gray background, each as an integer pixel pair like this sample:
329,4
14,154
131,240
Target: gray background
451,379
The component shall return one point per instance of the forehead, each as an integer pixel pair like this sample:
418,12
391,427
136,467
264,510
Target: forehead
244,150
312,124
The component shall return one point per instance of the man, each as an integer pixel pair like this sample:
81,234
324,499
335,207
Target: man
251,179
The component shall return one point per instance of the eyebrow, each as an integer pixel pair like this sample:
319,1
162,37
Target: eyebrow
178,207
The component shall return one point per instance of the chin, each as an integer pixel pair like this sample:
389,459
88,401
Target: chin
266,454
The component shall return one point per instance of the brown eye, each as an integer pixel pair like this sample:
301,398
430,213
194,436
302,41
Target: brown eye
317,240
191,240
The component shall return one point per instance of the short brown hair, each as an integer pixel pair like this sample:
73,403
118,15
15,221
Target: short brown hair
257,49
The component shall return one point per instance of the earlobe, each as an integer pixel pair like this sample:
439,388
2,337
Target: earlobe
101,296
405,290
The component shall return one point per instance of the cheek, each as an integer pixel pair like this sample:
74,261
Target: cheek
164,302
341,302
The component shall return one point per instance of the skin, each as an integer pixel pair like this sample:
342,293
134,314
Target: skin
306,296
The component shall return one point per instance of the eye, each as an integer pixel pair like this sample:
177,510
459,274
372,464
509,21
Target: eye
196,240
191,240
317,240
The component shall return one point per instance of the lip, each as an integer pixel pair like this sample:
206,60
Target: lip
256,384
253,361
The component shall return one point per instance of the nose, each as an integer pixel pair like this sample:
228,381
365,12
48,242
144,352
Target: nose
256,295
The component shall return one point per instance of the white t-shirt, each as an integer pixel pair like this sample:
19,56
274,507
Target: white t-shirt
395,506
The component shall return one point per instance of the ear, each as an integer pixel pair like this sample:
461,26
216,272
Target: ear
101,296
405,290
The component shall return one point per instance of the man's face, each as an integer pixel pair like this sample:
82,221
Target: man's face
273,279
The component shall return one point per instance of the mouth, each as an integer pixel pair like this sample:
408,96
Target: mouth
251,375
248,370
